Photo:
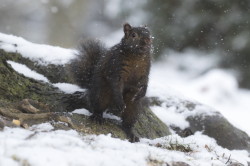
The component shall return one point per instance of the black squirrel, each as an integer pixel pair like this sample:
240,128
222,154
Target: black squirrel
116,78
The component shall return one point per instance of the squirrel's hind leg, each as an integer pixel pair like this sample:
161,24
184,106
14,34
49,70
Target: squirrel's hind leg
129,117
99,101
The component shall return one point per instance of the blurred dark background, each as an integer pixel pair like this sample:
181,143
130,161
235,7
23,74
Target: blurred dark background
212,26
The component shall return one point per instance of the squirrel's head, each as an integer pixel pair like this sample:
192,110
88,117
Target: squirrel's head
136,39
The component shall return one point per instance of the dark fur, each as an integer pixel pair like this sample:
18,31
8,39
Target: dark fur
82,68
117,78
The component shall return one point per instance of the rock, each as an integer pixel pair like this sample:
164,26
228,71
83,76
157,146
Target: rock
20,95
150,129
217,127
5,122
183,133
1,124
16,87
209,121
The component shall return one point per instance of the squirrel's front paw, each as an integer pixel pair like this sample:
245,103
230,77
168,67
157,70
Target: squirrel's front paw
130,134
97,118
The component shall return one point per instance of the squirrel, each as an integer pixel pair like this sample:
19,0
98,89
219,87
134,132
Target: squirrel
116,78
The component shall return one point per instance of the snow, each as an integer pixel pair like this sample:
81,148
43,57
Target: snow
105,114
170,117
23,69
82,111
175,78
68,88
65,148
111,116
64,87
43,54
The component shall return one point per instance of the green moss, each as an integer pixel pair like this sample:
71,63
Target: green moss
86,125
15,87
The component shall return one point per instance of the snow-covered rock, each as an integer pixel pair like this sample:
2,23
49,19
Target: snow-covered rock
41,145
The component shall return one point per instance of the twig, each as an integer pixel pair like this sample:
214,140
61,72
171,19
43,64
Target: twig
228,159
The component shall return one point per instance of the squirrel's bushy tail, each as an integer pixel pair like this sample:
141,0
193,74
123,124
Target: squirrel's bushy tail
83,66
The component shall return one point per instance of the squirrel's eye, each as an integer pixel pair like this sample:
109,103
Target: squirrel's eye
133,34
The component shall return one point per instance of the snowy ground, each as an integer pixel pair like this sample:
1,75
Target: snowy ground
41,145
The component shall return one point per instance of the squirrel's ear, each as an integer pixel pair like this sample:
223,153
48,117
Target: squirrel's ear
126,28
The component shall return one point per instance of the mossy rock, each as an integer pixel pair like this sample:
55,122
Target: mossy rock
15,87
